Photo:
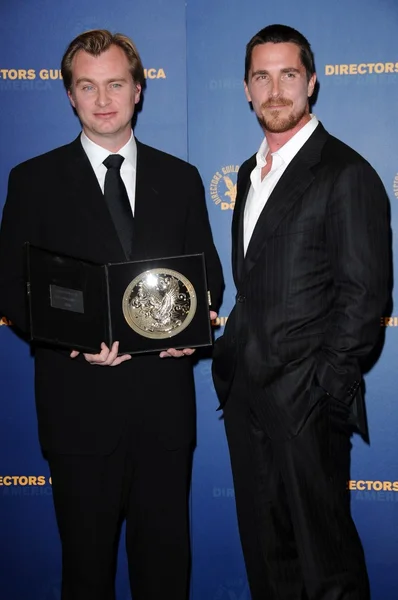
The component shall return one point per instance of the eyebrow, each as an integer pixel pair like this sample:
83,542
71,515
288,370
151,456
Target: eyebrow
88,80
290,70
285,70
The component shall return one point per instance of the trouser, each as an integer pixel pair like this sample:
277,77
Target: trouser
298,537
143,483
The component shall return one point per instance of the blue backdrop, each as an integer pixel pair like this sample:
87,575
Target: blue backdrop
195,108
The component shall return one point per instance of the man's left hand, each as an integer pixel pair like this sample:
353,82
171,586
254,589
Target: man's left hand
172,352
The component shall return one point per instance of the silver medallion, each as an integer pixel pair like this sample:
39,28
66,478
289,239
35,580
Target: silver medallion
159,303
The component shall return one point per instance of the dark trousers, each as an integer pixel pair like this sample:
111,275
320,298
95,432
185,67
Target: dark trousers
144,483
298,537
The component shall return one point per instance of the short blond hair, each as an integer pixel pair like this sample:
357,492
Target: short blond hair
97,41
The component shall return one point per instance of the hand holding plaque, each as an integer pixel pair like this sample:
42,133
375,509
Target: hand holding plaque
174,353
107,357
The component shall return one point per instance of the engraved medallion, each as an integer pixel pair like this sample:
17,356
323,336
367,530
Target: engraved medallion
159,303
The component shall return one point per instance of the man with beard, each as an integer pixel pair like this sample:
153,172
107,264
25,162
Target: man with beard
311,264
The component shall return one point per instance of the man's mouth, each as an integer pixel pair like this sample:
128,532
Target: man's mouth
104,115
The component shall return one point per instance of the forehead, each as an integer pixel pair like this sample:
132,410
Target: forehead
270,55
112,62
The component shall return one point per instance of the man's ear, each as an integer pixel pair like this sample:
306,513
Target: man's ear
71,100
311,85
70,96
247,93
137,95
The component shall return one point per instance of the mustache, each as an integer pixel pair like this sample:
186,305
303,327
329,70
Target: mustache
276,102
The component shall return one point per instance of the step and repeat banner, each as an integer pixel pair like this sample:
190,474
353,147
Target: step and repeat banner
194,107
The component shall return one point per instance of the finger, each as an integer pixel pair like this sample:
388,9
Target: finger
188,351
112,356
120,359
100,358
74,353
213,315
171,352
175,353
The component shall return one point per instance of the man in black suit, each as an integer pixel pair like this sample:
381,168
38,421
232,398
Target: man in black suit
118,431
311,264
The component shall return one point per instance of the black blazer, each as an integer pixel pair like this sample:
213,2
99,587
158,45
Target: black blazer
312,287
54,201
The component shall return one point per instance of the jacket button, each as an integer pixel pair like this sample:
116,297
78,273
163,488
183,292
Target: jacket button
240,298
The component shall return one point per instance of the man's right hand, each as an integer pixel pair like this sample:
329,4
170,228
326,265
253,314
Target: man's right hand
106,358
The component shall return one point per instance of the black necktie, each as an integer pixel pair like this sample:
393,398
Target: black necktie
118,202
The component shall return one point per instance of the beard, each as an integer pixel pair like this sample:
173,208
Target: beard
274,122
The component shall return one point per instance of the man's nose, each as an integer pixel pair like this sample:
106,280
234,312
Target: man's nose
275,88
102,97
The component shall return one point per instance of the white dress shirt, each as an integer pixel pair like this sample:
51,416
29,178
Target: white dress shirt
96,155
260,191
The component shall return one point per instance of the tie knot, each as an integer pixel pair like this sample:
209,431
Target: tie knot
113,161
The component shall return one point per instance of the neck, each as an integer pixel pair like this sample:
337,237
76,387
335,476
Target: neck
277,140
112,143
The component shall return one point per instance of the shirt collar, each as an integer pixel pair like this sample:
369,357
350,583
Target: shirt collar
97,154
288,151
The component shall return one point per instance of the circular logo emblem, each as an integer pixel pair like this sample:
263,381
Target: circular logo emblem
223,187
159,303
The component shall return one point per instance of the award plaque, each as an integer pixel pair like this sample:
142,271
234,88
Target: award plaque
149,305
159,303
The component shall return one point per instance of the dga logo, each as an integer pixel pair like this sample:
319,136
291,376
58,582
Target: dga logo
395,187
223,187
233,589
4,321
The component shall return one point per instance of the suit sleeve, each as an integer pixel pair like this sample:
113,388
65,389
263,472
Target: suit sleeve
358,239
198,238
16,228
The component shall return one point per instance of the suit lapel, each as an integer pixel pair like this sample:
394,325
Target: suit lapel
83,183
238,219
147,197
84,187
291,186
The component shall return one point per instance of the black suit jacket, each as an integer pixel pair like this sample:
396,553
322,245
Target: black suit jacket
312,287
54,201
